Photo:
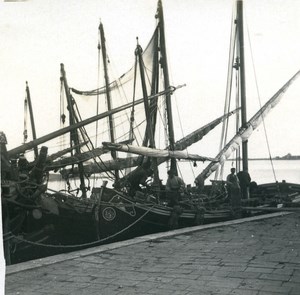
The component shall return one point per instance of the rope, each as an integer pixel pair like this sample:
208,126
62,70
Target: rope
131,134
260,105
230,66
85,136
85,244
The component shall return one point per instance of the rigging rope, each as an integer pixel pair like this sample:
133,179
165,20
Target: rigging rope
230,67
131,120
260,105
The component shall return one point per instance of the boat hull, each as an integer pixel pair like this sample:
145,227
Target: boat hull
61,223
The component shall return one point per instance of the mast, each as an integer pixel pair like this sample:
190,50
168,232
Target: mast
73,134
28,102
164,64
149,129
240,29
36,153
108,97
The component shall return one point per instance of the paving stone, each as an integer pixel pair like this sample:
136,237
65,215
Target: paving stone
275,277
250,258
276,289
243,274
259,270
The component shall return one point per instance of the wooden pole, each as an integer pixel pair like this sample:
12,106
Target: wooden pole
36,153
164,64
108,96
74,134
240,25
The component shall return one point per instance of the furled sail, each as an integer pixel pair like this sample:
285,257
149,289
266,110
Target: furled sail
199,133
75,159
179,146
155,153
59,154
244,133
104,166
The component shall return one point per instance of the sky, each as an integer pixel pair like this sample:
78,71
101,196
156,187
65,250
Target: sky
36,36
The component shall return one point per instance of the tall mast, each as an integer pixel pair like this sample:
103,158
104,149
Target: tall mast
149,129
73,134
108,97
36,153
164,64
240,28
155,80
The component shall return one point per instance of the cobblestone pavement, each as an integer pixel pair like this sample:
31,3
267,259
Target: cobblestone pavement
255,257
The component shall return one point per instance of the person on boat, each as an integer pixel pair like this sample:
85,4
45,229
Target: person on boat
199,181
174,187
139,177
244,179
283,188
233,189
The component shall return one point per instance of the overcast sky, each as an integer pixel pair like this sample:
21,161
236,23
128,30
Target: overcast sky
36,36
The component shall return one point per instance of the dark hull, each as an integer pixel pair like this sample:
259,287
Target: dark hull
67,224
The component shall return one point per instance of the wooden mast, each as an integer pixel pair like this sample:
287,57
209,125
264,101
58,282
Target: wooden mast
149,126
74,134
154,80
164,64
36,153
108,97
240,29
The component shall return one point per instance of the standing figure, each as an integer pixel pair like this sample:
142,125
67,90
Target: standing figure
199,181
245,179
174,186
233,189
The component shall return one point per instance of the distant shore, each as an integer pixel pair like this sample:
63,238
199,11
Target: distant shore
286,157
274,159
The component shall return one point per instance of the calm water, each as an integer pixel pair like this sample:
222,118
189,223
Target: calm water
260,171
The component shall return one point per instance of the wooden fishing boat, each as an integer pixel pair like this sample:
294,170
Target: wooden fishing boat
40,222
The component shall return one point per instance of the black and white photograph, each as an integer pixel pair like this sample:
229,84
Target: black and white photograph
150,147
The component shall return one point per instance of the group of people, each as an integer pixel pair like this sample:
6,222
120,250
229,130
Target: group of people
174,187
237,185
